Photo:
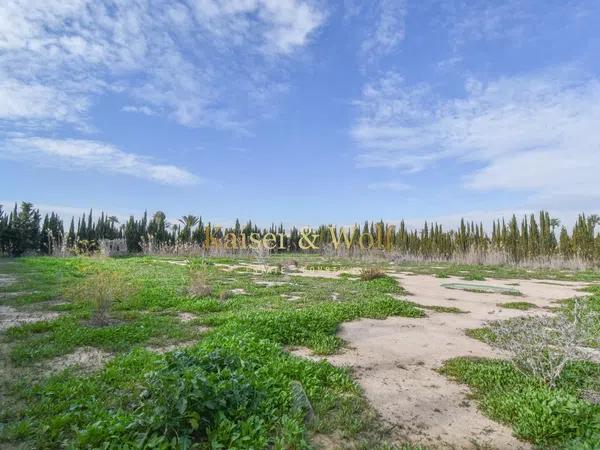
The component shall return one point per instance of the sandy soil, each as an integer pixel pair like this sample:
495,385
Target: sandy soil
395,361
87,358
10,316
5,280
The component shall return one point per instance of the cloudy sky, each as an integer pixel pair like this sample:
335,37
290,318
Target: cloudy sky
301,111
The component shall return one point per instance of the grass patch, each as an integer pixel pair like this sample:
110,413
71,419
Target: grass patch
441,309
546,417
517,305
231,390
474,277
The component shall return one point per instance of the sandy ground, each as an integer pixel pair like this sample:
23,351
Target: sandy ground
10,316
395,361
86,358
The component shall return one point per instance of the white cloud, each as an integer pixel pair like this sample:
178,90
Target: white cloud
389,185
172,57
24,102
139,109
92,155
388,30
535,133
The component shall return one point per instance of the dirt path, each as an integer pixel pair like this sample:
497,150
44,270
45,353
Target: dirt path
395,361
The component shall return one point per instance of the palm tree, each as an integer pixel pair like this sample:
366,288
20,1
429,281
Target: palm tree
188,223
112,220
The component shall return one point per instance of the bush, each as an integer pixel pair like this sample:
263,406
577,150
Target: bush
199,286
544,345
371,273
101,290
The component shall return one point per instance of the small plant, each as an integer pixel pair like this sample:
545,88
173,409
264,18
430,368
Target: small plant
224,295
371,273
199,286
101,290
261,254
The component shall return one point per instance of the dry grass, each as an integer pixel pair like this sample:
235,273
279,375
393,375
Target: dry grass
544,345
199,286
102,290
371,273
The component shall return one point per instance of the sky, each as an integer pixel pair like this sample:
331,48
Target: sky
301,111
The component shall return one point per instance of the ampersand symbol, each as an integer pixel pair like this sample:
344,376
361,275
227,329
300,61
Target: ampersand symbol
307,240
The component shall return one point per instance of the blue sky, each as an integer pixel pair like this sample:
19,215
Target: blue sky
301,111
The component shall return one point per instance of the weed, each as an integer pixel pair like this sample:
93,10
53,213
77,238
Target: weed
101,290
371,273
199,286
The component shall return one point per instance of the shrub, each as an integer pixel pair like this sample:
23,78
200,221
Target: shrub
371,273
100,290
199,286
543,345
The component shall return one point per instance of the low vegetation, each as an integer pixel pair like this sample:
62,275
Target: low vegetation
518,305
548,390
234,388
371,273
223,378
549,417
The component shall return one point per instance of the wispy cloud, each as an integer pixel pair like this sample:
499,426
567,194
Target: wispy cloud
57,56
80,154
390,186
389,28
535,133
139,109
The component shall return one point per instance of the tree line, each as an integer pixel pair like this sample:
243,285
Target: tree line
23,230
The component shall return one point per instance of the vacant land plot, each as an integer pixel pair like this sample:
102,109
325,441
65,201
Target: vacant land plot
227,353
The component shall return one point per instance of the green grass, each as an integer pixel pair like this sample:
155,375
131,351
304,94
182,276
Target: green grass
555,418
230,390
498,272
517,305
441,309
474,277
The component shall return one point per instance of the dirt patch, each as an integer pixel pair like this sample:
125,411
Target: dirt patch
270,283
86,358
395,361
10,317
6,280
186,317
239,291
